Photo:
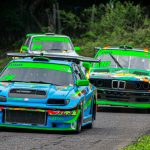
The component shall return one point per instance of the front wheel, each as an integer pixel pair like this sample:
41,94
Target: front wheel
79,125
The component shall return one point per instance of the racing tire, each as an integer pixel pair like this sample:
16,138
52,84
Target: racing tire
79,125
90,125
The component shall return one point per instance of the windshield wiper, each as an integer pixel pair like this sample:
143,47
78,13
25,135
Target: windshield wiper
11,81
115,60
55,49
42,82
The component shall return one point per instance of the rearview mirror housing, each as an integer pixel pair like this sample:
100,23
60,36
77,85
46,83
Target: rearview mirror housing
82,82
77,48
24,48
86,65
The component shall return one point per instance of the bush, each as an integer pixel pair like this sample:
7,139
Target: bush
121,24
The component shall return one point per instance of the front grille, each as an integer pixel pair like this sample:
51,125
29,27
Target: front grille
142,100
25,117
105,83
116,96
124,96
27,93
120,84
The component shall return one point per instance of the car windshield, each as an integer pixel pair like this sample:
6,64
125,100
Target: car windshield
35,72
131,62
50,44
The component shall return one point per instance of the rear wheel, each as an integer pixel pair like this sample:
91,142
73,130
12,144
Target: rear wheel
91,125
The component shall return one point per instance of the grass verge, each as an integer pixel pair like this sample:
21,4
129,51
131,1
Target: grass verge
143,143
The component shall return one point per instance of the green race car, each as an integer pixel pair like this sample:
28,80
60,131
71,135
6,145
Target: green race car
49,43
122,77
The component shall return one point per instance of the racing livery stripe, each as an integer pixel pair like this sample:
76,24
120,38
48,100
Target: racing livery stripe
125,53
128,104
52,39
63,68
36,128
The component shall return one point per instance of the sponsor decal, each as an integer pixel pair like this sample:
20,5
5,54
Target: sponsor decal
63,113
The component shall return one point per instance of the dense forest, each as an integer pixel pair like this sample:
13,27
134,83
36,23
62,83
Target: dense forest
89,23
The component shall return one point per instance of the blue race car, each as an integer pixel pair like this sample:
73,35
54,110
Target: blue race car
46,94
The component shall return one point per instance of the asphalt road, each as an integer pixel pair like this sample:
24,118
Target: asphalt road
112,130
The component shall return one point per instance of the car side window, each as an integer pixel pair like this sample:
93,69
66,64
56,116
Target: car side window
78,72
26,43
82,73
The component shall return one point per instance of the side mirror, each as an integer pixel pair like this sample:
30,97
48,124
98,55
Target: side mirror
82,82
77,48
86,65
24,48
97,48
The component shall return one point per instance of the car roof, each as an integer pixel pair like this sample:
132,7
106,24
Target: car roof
46,34
42,60
123,48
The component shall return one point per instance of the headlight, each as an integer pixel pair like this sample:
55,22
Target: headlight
2,99
99,83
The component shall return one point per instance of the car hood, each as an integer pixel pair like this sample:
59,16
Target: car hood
120,75
34,93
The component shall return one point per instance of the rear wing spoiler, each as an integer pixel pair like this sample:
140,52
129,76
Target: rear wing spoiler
76,59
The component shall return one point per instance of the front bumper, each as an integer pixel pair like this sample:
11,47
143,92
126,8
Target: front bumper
61,120
124,104
123,98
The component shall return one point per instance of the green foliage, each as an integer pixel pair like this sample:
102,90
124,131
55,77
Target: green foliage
70,23
125,16
113,24
121,24
142,143
3,63
89,16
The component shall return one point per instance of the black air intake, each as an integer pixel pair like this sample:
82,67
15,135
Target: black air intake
25,117
57,101
27,93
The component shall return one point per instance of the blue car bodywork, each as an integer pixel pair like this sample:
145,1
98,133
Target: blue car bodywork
41,105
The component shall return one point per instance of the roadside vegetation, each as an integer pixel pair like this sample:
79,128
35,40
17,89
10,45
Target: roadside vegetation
119,24
113,24
142,143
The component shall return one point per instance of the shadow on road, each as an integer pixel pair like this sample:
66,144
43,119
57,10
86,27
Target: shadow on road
123,110
17,130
